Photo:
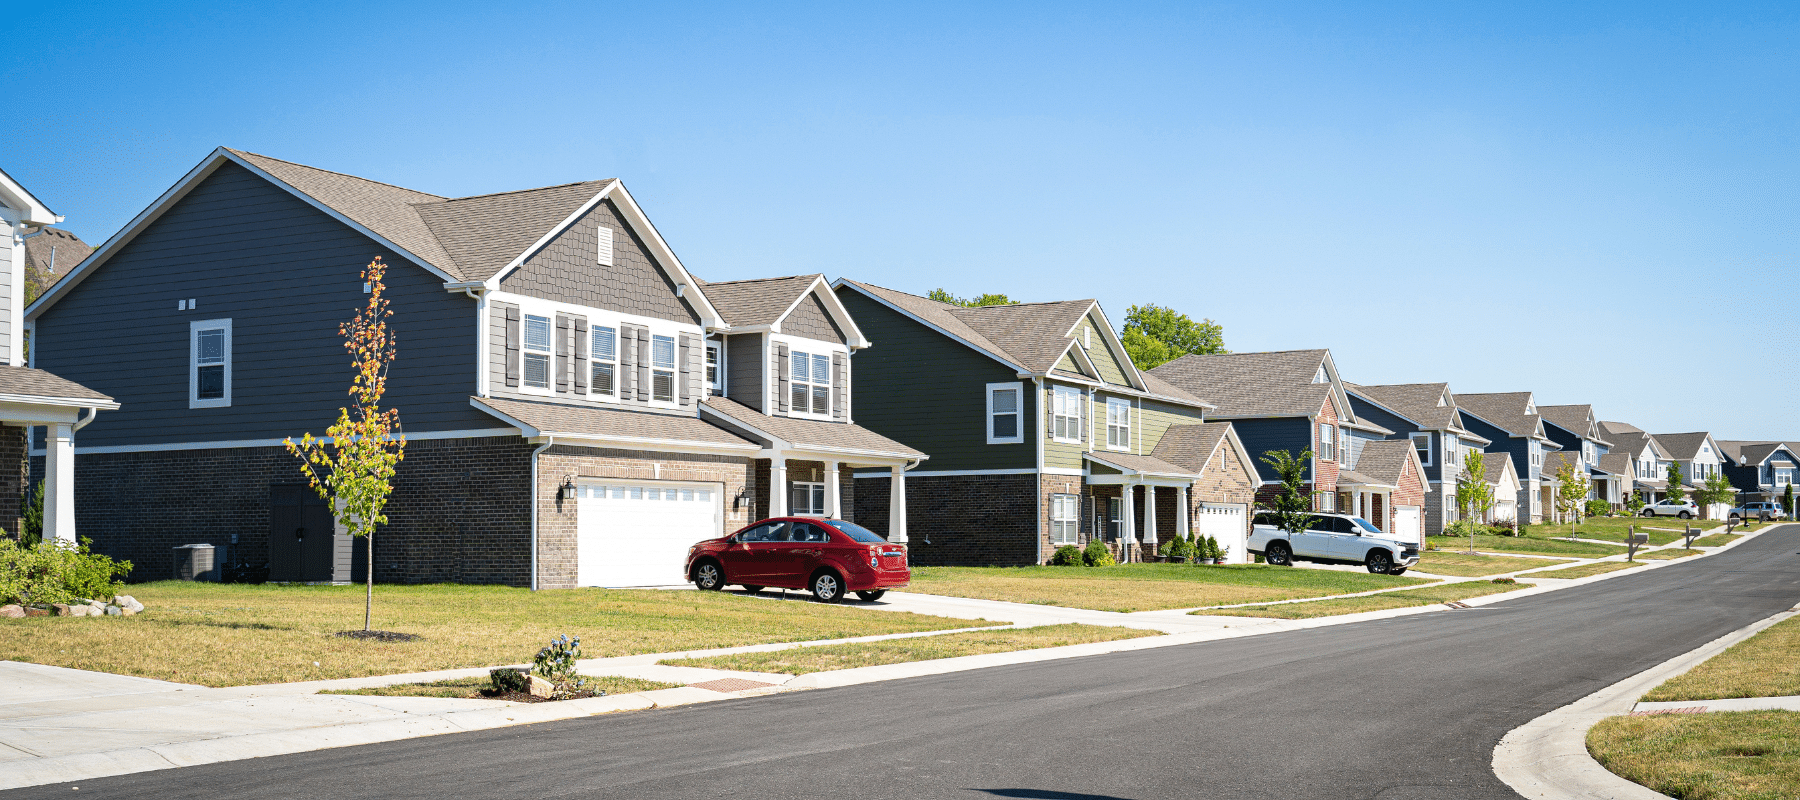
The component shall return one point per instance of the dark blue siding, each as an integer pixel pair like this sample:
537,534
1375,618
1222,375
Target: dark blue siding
1569,441
1502,442
1293,434
286,275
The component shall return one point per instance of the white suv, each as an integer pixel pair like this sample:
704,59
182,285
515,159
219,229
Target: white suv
1332,539
1757,510
1684,509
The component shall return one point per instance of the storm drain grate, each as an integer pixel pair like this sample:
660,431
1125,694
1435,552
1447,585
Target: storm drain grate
730,685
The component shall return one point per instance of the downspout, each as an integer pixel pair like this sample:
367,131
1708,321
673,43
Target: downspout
481,339
92,412
1038,395
548,442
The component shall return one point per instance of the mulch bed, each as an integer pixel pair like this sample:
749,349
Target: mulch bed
522,697
379,636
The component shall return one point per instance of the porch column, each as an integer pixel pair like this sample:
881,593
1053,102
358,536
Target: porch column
833,498
778,487
59,482
1129,535
1150,519
1181,512
897,504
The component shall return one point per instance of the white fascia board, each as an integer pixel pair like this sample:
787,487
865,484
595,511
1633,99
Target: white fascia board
833,306
65,402
645,443
927,323
225,444
15,195
1118,347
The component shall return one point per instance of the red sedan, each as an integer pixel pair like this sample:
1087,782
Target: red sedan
828,557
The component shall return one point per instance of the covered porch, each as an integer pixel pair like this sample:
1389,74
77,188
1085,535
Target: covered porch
31,398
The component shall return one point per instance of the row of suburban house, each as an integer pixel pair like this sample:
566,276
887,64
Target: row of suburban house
579,407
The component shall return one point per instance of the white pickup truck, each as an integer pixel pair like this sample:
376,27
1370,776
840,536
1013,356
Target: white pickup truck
1332,539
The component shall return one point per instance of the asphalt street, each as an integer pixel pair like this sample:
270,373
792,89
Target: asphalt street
1404,708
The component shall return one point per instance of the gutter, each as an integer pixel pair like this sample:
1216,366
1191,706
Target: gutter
549,441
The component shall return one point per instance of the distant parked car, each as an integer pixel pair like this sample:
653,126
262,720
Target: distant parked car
828,557
1757,510
1332,539
1684,509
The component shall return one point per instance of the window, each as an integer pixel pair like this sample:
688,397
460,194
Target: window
1003,401
209,364
809,381
715,377
1452,450
662,368
1118,424
537,352
1422,443
605,361
1115,517
807,499
1065,516
1065,414
1327,447
1327,501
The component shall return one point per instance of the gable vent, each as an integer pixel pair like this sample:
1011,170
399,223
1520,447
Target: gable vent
605,235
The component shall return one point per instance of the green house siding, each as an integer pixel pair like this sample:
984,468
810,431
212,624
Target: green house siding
1065,455
1112,369
1069,364
928,391
1155,419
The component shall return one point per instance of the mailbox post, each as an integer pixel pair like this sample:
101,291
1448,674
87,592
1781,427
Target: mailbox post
1632,540
1690,532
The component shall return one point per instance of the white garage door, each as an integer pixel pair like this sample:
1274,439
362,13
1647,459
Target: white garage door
1406,524
1225,523
637,534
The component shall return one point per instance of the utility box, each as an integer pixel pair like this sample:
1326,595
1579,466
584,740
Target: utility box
304,543
194,562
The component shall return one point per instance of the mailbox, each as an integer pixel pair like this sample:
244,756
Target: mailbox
1638,538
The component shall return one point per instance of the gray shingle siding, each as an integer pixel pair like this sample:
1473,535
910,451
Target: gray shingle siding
744,370
568,270
286,275
810,320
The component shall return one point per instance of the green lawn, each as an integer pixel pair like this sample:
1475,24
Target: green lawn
1374,602
470,688
1732,755
1764,665
1532,545
1440,562
1667,555
235,634
1584,570
1612,529
801,660
1147,587
1717,540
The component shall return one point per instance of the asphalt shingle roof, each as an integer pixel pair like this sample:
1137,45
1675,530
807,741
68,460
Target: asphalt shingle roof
1385,461
1136,463
1575,419
38,383
55,251
1275,384
1419,403
757,302
1191,446
1504,409
1752,452
811,433
588,420
1495,469
1610,428
1681,446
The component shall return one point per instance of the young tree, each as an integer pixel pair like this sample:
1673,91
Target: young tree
1474,495
1674,475
1787,501
1292,506
1635,502
1571,493
972,302
354,468
1716,490
1155,335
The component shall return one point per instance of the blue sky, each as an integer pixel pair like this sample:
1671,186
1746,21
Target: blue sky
1596,204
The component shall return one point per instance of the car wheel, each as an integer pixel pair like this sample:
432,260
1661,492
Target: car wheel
1684,515
1646,513
752,589
827,587
708,576
1277,553
870,597
1379,562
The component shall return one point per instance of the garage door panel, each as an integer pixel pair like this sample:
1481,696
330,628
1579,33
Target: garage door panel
1408,525
1227,525
638,534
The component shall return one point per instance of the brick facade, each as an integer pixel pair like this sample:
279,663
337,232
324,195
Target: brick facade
962,520
13,479
1060,484
1326,470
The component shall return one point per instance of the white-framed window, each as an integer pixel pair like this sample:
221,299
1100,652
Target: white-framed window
536,351
209,363
806,499
809,383
1327,442
1327,501
1452,450
1065,414
1115,516
1422,443
715,369
603,361
1065,518
1005,413
1118,424
662,369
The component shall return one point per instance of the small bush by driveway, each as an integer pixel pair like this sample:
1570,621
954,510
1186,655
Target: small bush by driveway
1147,587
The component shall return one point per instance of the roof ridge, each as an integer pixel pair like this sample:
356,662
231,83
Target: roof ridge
900,291
516,191
764,280
335,172
1258,353
1016,305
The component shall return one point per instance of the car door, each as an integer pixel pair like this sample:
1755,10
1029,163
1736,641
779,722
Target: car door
750,556
788,556
1346,541
1315,541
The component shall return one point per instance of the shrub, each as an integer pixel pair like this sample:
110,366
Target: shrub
1597,508
1167,548
1430,545
1066,556
56,572
1504,580
1464,527
1524,529
507,680
1096,555
1212,549
556,664
1504,527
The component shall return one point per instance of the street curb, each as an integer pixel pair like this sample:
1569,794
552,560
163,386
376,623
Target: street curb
1547,758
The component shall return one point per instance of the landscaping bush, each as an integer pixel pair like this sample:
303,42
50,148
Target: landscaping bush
1066,556
1096,555
56,572
1504,527
1167,549
1504,580
1464,527
1524,529
1597,508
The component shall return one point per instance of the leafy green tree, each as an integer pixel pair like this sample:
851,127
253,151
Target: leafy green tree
972,302
1674,475
1474,495
1787,501
1293,504
1155,335
1571,493
1635,502
1716,490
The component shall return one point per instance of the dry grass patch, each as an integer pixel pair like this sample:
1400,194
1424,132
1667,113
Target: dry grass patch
1730,755
1667,555
470,688
1584,570
234,634
1717,540
1532,545
1439,562
823,658
1375,602
1764,665
1147,587
1613,529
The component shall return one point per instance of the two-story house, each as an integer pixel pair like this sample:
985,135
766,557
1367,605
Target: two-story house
1511,423
1762,471
577,409
1576,430
1425,414
31,398
1295,401
1700,459
1041,431
1639,458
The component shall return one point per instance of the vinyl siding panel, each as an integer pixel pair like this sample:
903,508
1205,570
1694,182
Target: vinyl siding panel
568,270
923,389
286,275
810,320
1067,455
1155,419
1518,449
1111,365
1293,434
1402,427
744,369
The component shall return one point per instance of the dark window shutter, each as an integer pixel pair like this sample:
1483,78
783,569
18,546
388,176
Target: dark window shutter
682,370
840,386
627,363
643,365
562,354
781,378
581,355
693,350
512,346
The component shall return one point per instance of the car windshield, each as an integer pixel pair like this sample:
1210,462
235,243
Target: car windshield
1365,525
857,532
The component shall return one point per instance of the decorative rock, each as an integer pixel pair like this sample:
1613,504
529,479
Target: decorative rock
540,687
114,611
36,611
97,606
126,611
63,609
12,612
127,601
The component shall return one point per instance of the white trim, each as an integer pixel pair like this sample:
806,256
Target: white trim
811,347
234,443
1075,471
1054,414
194,329
952,473
70,402
1018,390
1430,446
833,306
1109,424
